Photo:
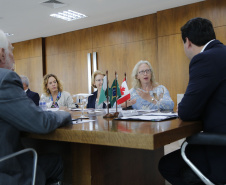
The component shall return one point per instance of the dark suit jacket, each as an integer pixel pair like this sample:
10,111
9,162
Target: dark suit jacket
92,101
205,99
34,96
17,114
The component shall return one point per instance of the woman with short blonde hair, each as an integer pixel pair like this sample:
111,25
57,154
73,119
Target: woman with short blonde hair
97,82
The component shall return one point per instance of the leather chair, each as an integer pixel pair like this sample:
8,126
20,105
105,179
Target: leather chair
21,152
202,139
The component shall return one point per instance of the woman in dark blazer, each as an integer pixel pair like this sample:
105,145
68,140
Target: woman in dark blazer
97,82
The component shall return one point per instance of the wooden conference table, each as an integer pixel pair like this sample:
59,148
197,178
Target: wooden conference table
113,152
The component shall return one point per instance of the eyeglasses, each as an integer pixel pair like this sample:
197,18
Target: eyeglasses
147,71
99,80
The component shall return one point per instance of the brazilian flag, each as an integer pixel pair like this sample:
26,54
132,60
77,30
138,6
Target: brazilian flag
112,93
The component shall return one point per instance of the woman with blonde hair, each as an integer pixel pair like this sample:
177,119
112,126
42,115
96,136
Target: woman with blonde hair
54,94
146,90
97,82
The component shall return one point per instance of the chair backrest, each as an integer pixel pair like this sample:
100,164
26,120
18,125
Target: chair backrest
202,138
35,157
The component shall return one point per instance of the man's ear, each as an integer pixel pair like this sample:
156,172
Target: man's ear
2,55
188,42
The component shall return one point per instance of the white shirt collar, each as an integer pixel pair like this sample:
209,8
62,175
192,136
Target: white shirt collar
206,45
25,90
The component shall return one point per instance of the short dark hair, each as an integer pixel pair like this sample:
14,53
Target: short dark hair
198,30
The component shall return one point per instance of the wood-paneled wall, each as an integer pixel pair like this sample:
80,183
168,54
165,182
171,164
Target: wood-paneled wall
28,59
119,46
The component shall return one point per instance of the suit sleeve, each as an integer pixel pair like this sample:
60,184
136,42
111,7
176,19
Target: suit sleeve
36,99
203,80
16,109
89,102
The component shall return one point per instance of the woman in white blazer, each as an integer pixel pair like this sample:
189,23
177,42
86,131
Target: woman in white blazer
54,94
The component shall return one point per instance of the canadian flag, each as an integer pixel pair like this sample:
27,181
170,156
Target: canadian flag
124,92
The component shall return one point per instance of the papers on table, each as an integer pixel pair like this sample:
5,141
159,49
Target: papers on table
113,110
79,109
78,120
161,114
154,116
143,111
82,95
53,109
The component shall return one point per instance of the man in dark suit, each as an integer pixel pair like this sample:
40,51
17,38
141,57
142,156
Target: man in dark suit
18,114
205,100
32,95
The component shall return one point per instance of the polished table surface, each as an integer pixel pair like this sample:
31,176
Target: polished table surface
110,152
131,134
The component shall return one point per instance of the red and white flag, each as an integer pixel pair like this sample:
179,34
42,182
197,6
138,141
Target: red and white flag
124,92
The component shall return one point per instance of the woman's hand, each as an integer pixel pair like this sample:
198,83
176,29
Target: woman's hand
144,94
128,103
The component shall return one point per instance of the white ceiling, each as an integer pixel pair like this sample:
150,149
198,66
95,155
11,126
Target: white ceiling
29,19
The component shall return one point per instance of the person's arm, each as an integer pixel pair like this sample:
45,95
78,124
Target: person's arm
69,103
128,103
166,102
36,99
142,103
17,110
92,100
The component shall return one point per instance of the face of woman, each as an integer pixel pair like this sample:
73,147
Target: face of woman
99,81
144,74
52,84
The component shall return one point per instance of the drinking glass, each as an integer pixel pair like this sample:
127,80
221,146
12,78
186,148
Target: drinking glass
107,101
158,95
82,100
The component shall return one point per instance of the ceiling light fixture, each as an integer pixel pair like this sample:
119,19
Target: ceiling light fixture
9,34
68,15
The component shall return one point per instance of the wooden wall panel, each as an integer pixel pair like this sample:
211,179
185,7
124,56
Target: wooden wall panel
173,65
28,49
71,69
28,60
66,57
221,34
28,68
170,21
123,57
214,10
69,42
131,30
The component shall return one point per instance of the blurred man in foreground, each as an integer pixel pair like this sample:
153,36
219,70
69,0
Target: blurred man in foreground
18,114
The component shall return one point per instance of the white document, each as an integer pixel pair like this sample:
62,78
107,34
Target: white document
78,121
150,118
161,114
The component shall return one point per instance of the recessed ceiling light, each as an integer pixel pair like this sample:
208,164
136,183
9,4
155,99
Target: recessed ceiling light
9,34
68,15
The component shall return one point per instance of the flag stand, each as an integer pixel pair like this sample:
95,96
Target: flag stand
126,101
108,115
126,108
116,113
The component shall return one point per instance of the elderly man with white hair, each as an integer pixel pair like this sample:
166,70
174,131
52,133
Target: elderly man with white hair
17,114
32,95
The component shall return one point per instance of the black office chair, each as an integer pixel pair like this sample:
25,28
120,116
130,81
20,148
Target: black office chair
202,139
21,152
